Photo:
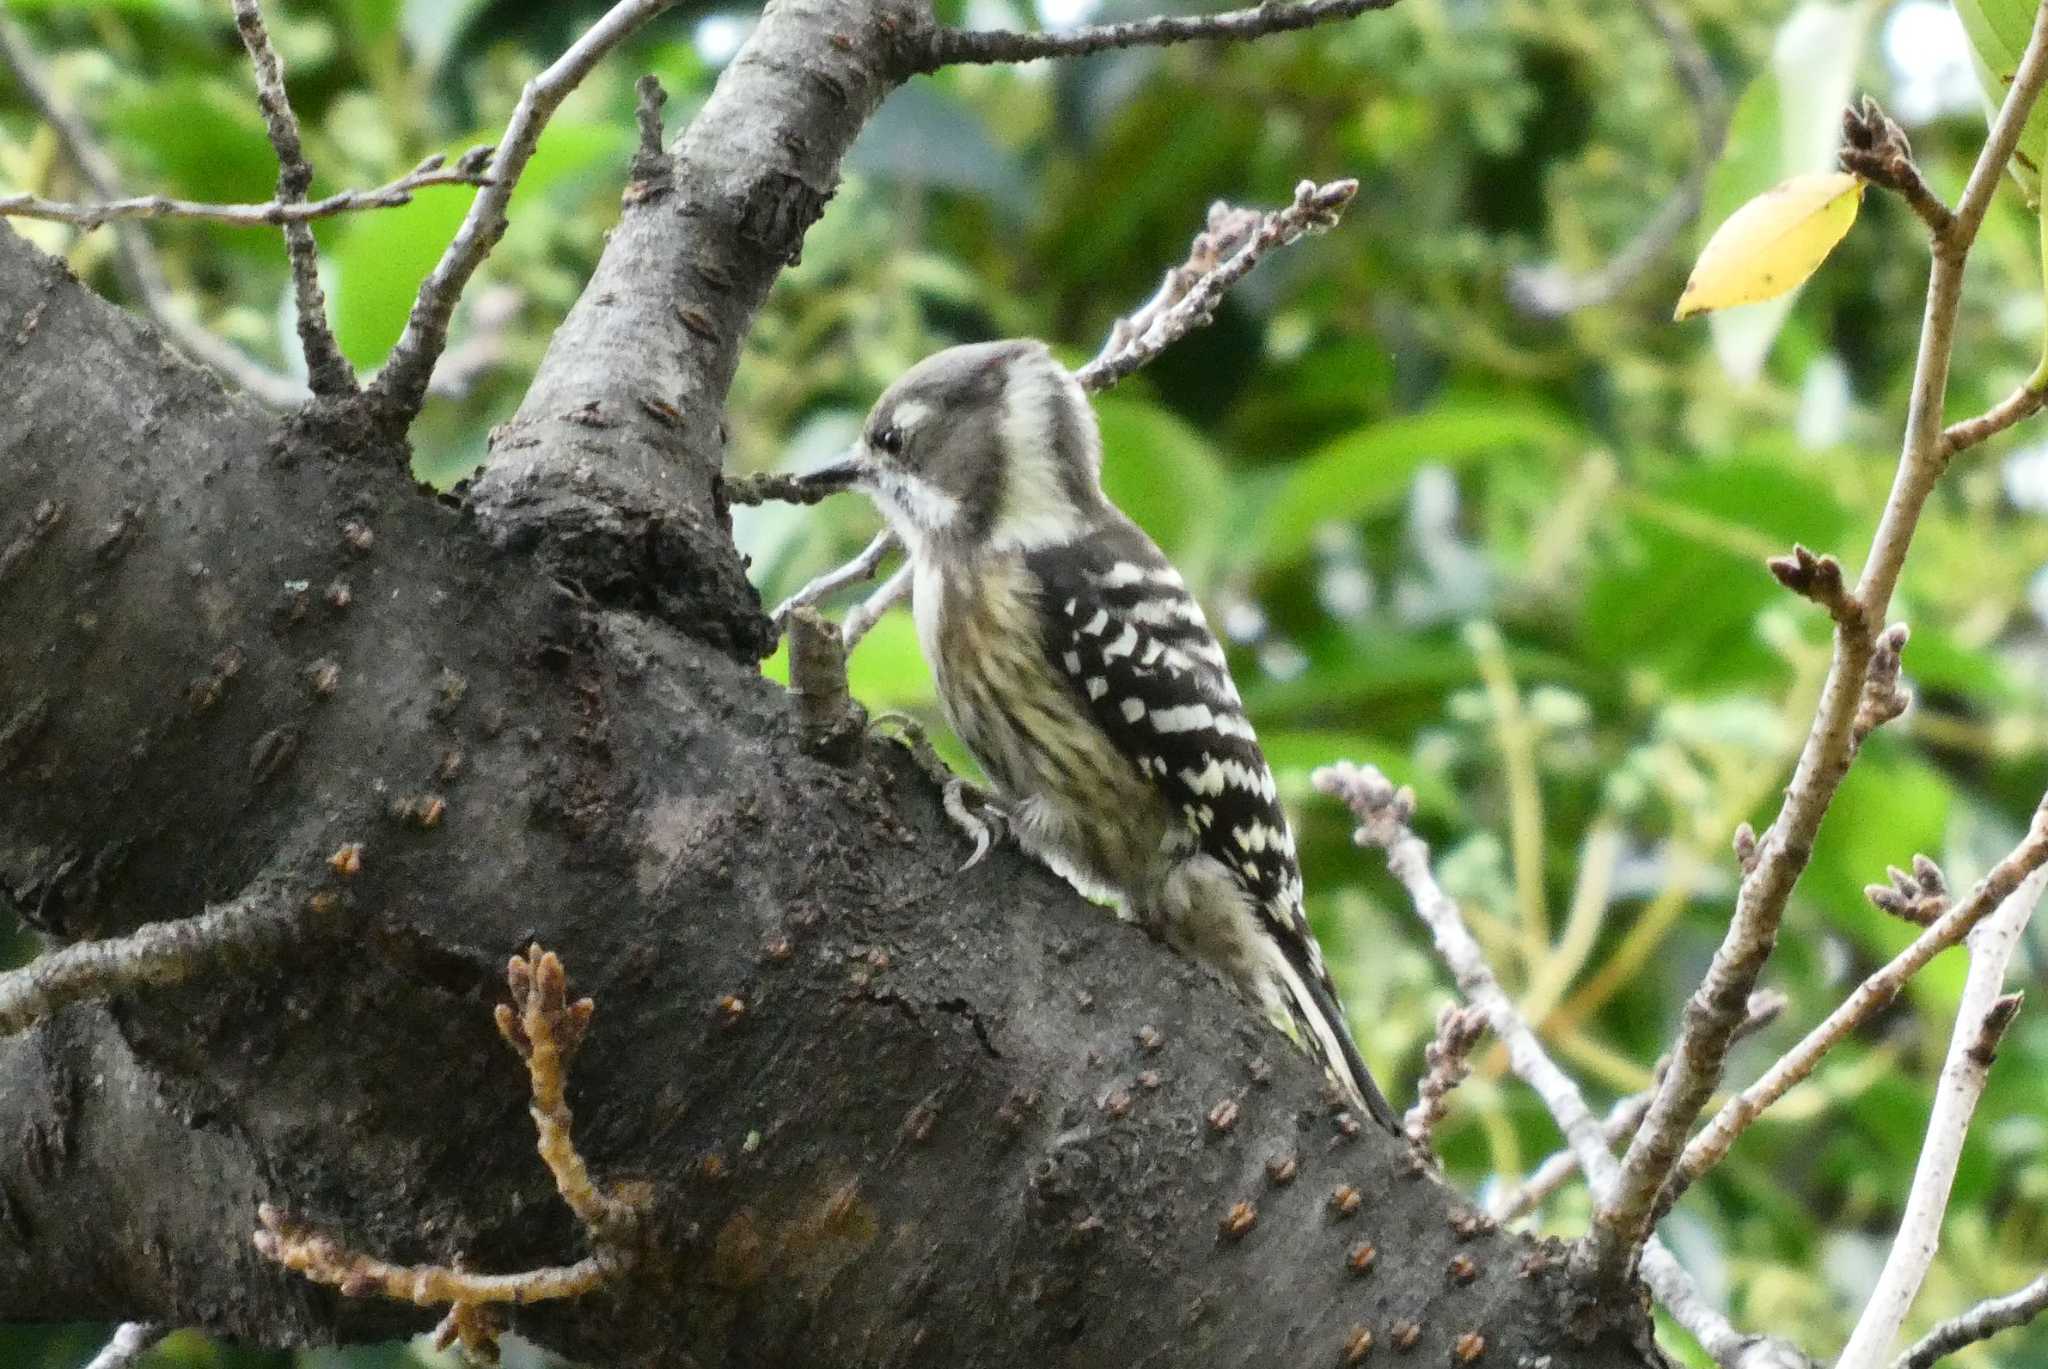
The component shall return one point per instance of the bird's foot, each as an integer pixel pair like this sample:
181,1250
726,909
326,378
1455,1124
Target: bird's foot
984,828
972,809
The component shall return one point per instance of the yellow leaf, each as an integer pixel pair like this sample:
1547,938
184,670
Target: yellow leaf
1773,243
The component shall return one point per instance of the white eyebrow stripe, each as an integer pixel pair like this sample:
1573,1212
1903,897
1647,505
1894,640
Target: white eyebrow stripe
909,414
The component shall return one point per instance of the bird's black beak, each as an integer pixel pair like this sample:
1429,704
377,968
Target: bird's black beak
842,473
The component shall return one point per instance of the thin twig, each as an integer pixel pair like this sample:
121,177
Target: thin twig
1981,1322
327,370
861,567
775,487
401,386
1765,1007
1449,1060
158,953
1226,250
134,259
954,47
2022,403
1383,813
546,1029
268,214
1628,1212
130,1341
869,611
1981,1020
1868,999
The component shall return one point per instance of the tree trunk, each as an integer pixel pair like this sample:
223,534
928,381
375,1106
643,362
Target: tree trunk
892,1113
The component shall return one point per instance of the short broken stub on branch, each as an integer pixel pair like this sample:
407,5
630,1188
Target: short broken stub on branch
546,1029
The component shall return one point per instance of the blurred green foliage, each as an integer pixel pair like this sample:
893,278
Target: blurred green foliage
1515,561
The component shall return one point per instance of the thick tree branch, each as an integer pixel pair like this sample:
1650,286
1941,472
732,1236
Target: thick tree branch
955,47
894,1069
1624,1219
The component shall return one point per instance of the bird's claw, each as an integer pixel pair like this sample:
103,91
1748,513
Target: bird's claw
985,828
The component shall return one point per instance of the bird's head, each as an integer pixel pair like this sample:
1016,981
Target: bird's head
991,445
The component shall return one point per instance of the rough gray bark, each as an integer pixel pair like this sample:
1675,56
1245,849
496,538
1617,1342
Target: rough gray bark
933,1135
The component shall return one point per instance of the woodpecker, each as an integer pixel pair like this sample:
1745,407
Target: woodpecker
1074,664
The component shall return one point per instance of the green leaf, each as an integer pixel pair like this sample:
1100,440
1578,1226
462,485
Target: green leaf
1683,591
1368,471
378,262
202,139
1998,31
1166,476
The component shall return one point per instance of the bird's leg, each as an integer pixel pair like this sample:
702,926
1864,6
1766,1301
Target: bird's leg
972,809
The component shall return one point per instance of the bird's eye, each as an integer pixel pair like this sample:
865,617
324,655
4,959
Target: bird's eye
889,440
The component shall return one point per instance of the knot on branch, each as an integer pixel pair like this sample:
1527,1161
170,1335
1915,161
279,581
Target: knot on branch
1919,897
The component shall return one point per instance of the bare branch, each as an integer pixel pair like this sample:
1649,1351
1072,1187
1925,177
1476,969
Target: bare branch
1231,244
129,1343
158,953
861,567
136,261
1981,1019
327,370
1383,813
775,487
817,676
1623,1221
2016,407
401,386
954,47
868,612
1449,1060
1869,998
1981,1322
546,1029
268,214
1765,1007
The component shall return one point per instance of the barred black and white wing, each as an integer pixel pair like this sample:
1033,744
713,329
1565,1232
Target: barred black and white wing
1122,629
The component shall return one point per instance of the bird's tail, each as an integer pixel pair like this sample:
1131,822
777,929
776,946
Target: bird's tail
1319,1025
